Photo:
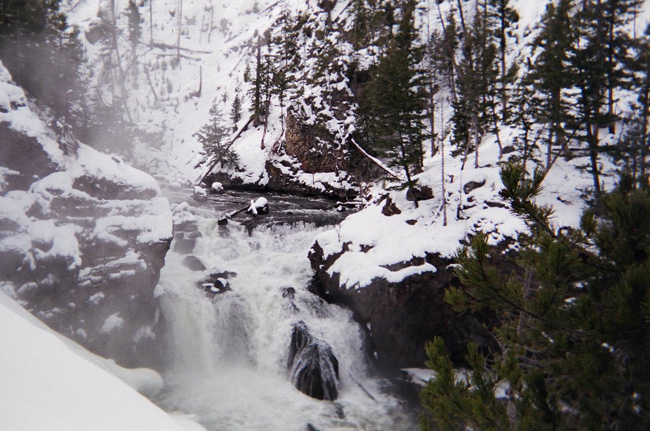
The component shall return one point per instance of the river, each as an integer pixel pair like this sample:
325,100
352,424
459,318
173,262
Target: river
229,352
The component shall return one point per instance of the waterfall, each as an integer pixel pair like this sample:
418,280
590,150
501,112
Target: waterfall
231,357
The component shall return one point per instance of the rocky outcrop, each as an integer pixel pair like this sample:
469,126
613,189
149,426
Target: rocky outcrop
402,317
311,146
313,367
83,237
284,177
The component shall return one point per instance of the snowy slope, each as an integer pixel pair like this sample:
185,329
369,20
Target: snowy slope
216,40
371,241
49,385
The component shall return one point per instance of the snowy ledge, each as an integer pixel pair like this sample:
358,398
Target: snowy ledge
391,231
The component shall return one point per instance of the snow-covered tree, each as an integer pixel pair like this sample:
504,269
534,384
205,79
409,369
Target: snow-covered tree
214,137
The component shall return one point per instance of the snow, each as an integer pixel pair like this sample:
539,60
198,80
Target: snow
419,376
47,385
257,205
112,322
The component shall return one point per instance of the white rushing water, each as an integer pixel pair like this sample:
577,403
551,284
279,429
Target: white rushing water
229,354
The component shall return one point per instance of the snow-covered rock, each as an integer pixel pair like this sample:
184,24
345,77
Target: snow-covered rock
82,234
258,206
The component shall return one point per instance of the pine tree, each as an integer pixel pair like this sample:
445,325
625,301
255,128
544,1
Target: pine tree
444,49
214,137
641,69
524,112
476,86
135,30
613,16
260,91
505,16
551,72
393,103
235,109
574,334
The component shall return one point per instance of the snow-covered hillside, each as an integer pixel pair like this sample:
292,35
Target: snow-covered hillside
50,383
83,235
172,89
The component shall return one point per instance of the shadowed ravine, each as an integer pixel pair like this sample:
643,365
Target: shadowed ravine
241,353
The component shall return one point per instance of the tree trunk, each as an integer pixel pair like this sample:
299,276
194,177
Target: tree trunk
645,139
407,172
476,139
150,22
432,109
592,141
462,16
178,39
442,174
504,95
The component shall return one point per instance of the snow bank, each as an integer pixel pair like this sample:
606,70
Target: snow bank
46,385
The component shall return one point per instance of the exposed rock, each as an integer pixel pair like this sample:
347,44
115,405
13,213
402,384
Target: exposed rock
307,143
27,165
314,368
223,274
405,315
289,293
421,193
192,262
282,178
216,287
472,185
390,209
327,5
104,188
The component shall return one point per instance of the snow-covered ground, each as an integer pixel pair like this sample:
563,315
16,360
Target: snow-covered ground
374,241
51,383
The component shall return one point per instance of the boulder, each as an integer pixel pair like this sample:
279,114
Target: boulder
420,193
313,367
289,293
192,262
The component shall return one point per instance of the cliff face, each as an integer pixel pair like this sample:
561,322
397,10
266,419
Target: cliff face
83,236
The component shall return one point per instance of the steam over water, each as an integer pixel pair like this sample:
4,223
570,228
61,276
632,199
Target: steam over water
229,354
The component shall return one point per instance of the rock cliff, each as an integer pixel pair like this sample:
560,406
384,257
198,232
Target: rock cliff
83,236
